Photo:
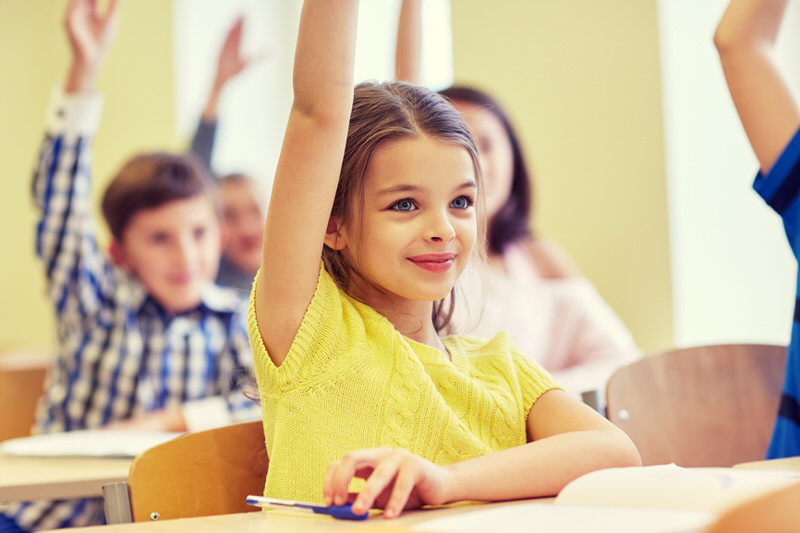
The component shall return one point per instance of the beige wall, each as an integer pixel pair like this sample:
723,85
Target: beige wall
580,78
137,84
581,81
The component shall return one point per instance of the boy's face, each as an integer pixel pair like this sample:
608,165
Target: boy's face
173,250
243,223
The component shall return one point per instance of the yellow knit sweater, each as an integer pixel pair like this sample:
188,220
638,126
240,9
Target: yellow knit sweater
352,381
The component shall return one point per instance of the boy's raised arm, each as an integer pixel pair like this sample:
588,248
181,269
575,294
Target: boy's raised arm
308,170
230,63
745,39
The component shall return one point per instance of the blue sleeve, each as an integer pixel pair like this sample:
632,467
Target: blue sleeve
78,273
203,141
780,188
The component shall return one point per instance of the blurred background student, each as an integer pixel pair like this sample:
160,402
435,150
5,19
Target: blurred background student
146,340
528,285
243,200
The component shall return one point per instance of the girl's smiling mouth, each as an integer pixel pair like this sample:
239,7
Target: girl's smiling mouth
434,262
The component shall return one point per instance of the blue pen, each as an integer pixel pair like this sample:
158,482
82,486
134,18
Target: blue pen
343,512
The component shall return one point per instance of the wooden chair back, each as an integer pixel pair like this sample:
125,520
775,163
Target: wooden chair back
701,406
199,474
22,375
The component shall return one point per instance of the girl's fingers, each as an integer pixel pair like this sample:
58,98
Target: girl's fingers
347,468
406,479
327,484
382,477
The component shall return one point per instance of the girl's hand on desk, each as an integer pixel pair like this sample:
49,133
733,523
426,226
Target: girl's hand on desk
396,479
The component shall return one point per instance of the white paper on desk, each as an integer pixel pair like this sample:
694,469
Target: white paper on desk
544,518
86,443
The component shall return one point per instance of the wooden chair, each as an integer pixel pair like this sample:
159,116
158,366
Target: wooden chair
199,474
702,406
22,374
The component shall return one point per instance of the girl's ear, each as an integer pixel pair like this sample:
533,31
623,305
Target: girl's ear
117,253
333,235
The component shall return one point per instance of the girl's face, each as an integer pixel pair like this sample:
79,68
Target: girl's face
494,150
418,226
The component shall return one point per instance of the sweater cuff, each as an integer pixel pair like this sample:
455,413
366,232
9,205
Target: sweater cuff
208,413
73,113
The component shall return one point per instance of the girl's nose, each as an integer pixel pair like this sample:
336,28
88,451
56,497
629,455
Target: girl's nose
439,228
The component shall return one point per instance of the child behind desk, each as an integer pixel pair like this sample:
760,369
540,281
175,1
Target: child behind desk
355,380
745,39
146,342
243,201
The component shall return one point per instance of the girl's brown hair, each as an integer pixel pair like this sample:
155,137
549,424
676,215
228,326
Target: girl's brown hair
384,112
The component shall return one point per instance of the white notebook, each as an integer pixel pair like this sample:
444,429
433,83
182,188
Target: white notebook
86,443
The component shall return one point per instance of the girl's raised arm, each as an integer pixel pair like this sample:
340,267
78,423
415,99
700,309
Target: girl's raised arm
745,39
308,170
408,50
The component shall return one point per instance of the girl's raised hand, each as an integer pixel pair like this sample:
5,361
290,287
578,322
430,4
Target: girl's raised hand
396,479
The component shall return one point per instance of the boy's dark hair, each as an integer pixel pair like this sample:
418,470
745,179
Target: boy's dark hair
512,220
150,180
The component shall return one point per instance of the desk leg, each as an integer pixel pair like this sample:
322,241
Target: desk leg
117,503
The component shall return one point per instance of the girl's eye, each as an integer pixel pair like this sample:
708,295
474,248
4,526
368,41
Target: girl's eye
462,202
405,204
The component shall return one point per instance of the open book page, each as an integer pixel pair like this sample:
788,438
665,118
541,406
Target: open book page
673,487
86,443
524,517
652,499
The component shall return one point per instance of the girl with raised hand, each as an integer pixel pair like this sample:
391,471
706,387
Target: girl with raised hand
373,216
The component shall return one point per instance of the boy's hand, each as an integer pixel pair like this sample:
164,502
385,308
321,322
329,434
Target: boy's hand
396,479
90,36
230,63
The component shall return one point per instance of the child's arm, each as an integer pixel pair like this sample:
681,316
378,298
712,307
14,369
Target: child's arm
408,53
62,182
567,440
79,278
745,39
229,63
308,170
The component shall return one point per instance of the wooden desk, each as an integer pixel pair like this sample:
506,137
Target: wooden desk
31,478
279,521
787,463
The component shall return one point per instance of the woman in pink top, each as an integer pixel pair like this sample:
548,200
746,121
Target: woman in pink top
529,286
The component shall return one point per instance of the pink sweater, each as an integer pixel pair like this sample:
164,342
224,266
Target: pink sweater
563,324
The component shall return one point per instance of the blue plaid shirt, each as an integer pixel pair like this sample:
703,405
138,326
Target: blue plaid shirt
120,352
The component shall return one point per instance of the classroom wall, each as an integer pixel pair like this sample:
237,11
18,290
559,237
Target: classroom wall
585,96
581,79
138,115
732,269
